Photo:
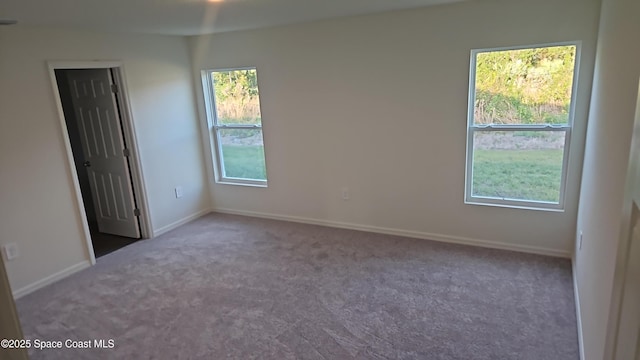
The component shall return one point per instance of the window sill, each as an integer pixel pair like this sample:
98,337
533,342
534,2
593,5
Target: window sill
238,183
514,206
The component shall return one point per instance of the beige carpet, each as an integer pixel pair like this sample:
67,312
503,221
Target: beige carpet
230,287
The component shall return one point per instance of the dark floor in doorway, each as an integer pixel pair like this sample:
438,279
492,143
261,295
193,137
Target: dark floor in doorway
104,244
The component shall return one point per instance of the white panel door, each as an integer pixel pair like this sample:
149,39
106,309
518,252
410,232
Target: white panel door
98,118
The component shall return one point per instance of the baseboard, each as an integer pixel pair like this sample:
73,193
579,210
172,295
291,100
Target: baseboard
175,224
400,232
576,295
51,279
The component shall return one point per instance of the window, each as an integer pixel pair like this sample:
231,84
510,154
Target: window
519,125
234,116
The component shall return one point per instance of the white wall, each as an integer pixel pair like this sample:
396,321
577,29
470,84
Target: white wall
613,103
378,103
37,204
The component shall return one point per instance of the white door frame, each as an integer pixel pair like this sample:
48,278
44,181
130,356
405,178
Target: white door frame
624,240
128,128
10,327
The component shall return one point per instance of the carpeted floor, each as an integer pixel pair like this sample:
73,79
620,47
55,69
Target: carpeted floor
230,287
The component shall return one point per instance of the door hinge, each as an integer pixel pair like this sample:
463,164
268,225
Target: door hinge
114,88
136,212
126,152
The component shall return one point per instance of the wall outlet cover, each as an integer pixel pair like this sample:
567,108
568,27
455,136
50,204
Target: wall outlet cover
345,193
10,251
580,241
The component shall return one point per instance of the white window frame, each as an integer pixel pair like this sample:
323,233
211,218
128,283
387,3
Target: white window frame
214,130
473,128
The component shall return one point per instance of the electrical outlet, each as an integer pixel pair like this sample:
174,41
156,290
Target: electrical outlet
10,251
580,241
345,193
179,192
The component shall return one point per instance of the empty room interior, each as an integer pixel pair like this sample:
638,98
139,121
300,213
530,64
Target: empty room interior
338,179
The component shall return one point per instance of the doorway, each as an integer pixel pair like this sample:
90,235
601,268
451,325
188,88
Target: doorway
103,155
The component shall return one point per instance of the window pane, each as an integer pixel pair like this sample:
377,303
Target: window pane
242,153
519,165
236,96
527,86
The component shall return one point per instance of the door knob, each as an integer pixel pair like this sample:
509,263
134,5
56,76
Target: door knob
86,164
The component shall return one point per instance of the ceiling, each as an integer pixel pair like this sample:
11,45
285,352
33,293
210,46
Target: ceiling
190,17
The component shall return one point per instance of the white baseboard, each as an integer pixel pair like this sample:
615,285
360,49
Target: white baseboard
85,264
576,295
51,279
175,224
400,232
